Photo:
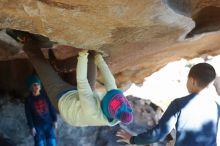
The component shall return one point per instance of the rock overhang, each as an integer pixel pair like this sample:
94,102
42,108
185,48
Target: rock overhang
139,37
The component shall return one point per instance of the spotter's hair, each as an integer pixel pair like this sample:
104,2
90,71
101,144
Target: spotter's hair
203,73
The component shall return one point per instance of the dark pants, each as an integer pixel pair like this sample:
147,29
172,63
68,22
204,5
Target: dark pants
52,82
6,142
45,136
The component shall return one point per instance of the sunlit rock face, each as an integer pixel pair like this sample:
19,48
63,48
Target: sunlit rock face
138,37
205,13
96,24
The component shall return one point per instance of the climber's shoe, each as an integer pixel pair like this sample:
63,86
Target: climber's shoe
24,37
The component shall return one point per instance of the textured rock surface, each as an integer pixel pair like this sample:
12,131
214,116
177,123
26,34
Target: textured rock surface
139,37
94,24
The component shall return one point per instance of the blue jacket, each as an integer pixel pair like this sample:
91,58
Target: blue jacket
195,118
39,111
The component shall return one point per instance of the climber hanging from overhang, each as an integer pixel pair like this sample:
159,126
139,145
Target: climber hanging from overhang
79,105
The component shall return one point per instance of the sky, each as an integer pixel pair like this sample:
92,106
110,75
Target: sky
169,82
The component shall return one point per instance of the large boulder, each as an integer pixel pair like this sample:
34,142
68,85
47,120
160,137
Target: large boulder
139,37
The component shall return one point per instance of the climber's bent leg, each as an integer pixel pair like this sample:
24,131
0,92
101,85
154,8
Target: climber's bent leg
52,82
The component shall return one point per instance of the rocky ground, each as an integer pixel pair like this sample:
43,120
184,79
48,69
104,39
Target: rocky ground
13,125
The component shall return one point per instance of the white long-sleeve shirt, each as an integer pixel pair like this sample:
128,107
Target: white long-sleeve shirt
82,107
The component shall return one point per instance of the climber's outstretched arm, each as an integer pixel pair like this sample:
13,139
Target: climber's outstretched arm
106,73
88,102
